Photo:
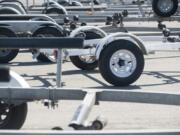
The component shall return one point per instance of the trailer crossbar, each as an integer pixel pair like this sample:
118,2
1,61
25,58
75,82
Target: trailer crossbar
135,96
39,42
47,42
25,17
117,132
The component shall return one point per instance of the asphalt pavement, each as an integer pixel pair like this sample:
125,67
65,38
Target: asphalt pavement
161,74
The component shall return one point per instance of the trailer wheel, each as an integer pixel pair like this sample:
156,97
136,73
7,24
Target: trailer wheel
7,55
165,8
7,11
55,11
47,32
121,63
12,117
16,1
86,62
76,3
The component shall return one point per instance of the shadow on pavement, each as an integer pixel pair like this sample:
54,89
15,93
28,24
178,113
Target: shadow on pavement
35,63
167,57
166,78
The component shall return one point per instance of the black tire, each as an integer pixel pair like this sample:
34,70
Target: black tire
106,55
43,58
11,54
13,116
55,11
53,32
76,60
161,13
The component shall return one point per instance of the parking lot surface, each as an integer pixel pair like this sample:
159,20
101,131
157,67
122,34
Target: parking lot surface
161,74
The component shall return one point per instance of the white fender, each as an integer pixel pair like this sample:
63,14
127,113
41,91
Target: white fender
44,17
116,36
88,28
92,42
15,81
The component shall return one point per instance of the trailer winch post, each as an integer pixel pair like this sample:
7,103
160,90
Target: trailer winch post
59,68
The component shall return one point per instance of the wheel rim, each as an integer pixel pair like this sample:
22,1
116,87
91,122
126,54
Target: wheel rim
4,52
87,59
123,63
5,113
165,6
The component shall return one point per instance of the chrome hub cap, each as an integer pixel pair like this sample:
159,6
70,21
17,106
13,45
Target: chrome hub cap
123,63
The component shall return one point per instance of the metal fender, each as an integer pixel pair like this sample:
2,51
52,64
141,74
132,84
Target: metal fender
12,9
117,36
58,6
15,81
47,24
43,17
79,3
88,28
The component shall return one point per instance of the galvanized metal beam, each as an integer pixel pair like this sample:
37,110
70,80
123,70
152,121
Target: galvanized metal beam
37,42
117,132
135,96
25,17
